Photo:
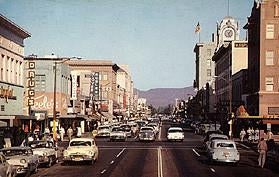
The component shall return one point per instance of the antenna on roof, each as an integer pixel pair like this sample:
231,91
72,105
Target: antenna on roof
228,8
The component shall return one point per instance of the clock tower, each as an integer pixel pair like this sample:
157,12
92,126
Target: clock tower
227,31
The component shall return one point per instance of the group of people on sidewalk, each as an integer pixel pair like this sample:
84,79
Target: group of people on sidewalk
252,135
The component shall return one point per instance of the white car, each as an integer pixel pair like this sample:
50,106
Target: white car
147,134
81,149
103,131
175,133
223,151
118,133
6,169
22,158
215,137
46,152
155,126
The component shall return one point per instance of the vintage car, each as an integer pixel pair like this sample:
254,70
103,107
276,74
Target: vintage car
81,149
46,152
103,131
22,158
175,133
214,137
127,129
223,151
147,134
6,169
155,126
134,127
117,133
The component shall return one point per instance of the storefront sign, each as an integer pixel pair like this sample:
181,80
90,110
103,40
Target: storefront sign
74,87
7,93
240,45
31,83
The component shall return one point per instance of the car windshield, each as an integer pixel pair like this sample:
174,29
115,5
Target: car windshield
116,129
14,152
41,144
146,129
80,143
175,131
103,128
218,138
225,145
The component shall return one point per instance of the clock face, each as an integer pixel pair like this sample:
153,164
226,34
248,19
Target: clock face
229,33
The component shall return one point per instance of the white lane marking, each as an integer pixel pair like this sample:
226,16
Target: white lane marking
111,162
196,152
160,163
212,170
120,152
244,146
103,171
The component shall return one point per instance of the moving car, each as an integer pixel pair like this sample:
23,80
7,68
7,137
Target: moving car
147,134
6,169
155,126
215,137
175,133
127,129
223,151
22,158
103,131
46,152
81,149
117,133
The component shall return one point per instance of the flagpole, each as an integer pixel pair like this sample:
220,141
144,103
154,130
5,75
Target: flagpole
199,37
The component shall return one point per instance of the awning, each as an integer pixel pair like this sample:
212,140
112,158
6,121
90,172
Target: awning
7,117
3,124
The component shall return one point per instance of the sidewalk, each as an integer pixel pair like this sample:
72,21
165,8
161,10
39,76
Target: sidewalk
246,144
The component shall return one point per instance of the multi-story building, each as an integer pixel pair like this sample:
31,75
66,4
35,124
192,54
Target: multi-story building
263,70
40,104
105,91
11,70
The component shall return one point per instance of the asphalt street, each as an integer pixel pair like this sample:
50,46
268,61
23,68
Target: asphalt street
158,159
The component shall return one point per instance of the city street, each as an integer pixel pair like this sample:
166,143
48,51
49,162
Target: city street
158,159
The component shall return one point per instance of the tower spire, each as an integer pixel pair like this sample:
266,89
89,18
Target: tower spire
228,12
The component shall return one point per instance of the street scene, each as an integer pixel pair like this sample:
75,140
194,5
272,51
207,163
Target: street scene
139,88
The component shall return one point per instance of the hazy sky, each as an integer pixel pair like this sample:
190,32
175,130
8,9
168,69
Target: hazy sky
154,37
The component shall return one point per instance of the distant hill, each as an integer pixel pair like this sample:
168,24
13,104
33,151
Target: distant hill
164,96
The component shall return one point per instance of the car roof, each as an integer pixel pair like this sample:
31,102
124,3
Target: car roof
16,148
82,139
217,135
175,128
223,141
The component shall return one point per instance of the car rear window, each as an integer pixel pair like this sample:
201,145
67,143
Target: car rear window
80,143
225,145
175,131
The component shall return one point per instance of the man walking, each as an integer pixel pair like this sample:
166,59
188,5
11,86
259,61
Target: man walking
262,148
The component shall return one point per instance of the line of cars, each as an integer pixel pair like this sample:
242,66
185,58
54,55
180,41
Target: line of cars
139,129
26,160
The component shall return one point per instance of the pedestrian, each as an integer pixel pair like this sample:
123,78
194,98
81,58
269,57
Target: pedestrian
79,132
257,135
262,148
70,133
269,135
242,135
62,133
249,133
252,135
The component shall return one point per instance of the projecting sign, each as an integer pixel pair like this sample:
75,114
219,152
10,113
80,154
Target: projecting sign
31,83
74,87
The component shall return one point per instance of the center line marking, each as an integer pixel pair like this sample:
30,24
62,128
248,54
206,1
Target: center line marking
111,162
196,152
120,152
103,171
212,170
160,163
160,130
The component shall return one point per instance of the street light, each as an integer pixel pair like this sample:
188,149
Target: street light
230,100
54,95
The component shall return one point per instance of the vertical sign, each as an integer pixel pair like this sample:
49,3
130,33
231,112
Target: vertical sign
74,87
31,83
96,86
94,89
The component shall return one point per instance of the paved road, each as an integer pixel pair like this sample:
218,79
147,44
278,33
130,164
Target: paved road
159,159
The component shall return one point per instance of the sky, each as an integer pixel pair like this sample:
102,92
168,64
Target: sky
154,37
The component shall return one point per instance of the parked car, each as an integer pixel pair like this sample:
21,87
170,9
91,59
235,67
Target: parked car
117,133
6,169
22,158
103,131
81,149
147,134
223,151
175,133
46,151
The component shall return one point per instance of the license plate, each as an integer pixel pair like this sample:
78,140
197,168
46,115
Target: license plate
77,159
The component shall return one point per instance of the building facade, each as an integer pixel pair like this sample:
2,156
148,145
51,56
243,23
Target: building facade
11,70
263,72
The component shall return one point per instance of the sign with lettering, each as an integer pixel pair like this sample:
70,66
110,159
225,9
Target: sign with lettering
31,83
240,45
74,87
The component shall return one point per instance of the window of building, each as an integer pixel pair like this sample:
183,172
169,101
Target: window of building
270,31
269,83
269,57
276,10
208,72
208,62
2,107
105,76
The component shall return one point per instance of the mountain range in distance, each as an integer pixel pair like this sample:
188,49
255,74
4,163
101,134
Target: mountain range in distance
162,97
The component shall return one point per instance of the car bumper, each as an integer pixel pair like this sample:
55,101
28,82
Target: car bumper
175,138
78,158
117,137
226,160
21,169
43,159
146,138
103,135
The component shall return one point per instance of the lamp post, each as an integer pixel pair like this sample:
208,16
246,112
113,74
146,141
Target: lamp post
54,96
229,82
